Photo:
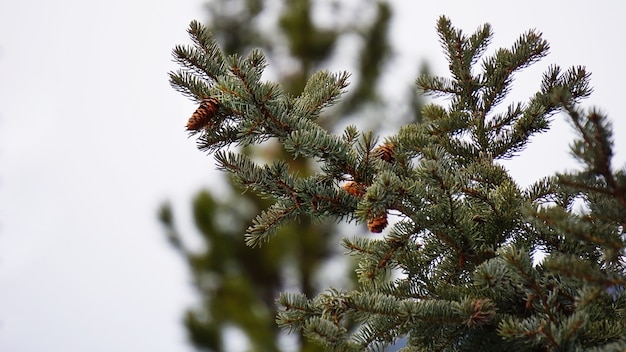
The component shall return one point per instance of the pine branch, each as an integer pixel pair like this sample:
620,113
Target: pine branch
466,234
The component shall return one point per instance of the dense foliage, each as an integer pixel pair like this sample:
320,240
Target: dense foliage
455,272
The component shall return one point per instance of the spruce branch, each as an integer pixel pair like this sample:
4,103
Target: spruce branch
455,272
189,84
499,68
461,51
274,180
267,223
322,90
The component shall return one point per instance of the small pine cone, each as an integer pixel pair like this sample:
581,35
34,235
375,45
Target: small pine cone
377,224
355,189
201,118
385,152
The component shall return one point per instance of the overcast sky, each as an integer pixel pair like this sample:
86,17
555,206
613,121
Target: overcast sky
91,141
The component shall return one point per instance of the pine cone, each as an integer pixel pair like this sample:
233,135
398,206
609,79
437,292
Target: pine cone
385,152
355,189
201,118
377,224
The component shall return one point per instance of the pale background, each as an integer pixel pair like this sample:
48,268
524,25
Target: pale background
91,141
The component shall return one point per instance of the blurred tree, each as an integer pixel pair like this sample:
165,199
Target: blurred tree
238,285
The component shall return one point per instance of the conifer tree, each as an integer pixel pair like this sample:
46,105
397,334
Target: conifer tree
455,271
231,278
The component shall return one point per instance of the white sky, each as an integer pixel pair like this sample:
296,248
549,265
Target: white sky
91,141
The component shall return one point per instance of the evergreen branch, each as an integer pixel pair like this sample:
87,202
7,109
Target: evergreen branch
557,90
195,61
364,171
321,319
322,90
500,123
595,149
534,332
460,56
378,256
499,68
550,190
534,118
331,337
465,241
321,198
514,139
272,179
204,40
461,51
602,146
295,311
436,86
189,85
260,106
478,43
317,143
250,69
520,262
384,193
218,138
201,65
350,135
358,246
267,223
539,108
572,225
573,266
